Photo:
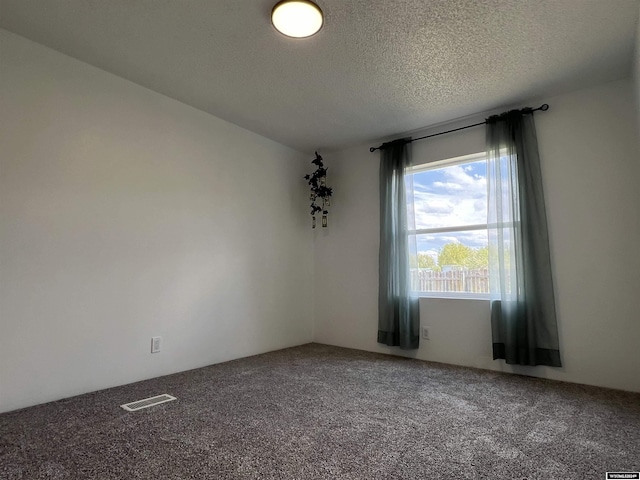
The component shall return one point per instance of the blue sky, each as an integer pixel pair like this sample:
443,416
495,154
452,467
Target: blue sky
447,197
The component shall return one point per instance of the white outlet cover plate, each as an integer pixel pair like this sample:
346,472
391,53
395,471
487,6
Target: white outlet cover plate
156,343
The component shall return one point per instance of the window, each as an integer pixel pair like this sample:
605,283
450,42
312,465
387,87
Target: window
449,202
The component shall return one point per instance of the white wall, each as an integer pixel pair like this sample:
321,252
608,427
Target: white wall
636,73
125,214
589,155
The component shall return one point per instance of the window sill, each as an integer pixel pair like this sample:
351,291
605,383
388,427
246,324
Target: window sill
452,295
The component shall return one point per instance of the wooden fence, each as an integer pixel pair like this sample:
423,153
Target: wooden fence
470,281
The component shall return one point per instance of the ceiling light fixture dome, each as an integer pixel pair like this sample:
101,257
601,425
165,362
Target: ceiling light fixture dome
297,18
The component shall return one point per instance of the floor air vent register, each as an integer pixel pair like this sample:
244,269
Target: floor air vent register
147,402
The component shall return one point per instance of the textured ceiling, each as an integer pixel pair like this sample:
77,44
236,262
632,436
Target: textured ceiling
377,68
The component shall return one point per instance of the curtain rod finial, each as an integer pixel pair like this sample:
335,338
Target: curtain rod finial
372,149
544,107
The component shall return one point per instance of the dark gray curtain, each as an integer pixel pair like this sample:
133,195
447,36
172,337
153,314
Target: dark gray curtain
398,315
523,314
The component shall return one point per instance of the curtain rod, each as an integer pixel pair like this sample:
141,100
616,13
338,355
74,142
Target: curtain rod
544,107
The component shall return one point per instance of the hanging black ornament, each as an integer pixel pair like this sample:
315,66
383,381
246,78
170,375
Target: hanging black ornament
318,184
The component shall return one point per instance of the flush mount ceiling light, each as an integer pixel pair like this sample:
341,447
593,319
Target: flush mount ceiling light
297,18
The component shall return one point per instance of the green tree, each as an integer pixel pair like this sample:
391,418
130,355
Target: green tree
426,261
479,258
454,254
423,261
463,256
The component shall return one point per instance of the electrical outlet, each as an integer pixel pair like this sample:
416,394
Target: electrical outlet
156,343
425,333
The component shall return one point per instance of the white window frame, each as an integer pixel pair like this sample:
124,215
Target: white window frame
449,162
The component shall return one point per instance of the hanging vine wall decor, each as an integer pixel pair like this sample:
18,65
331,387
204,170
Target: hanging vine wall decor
320,193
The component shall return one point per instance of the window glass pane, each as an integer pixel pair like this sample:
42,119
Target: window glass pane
451,262
451,196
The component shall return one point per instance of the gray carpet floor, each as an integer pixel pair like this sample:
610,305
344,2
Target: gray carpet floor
320,412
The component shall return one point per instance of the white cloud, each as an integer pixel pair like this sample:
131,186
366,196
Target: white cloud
458,200
448,185
433,243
